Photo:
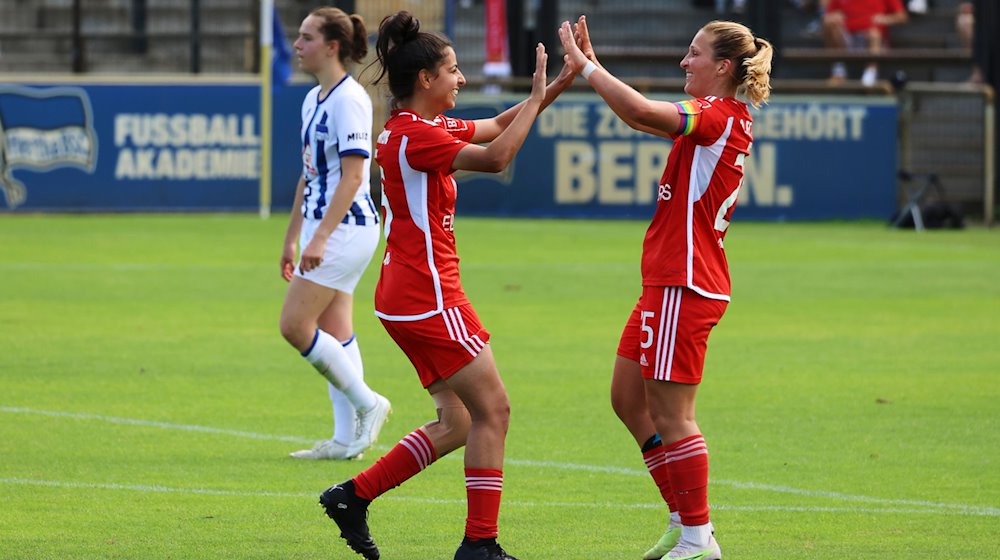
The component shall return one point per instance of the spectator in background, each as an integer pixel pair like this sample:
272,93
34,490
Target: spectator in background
860,25
814,27
965,26
964,22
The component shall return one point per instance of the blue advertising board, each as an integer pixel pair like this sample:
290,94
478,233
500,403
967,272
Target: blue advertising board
146,146
829,158
196,146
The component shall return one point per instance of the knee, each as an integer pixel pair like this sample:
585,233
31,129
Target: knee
499,412
295,334
673,424
623,403
495,412
452,429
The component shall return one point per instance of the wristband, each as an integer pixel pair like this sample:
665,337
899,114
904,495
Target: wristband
588,69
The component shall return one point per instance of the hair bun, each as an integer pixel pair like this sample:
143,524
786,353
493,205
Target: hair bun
401,27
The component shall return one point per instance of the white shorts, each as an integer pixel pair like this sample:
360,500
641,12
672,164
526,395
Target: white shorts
348,252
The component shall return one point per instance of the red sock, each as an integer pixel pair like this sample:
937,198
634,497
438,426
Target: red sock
483,488
687,462
411,455
656,462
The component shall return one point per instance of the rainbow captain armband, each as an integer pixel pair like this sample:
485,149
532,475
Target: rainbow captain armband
690,113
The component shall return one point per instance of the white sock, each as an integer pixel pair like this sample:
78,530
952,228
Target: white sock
333,362
344,416
344,413
698,535
675,519
354,353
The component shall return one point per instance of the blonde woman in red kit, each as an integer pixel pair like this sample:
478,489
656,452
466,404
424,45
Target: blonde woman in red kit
685,278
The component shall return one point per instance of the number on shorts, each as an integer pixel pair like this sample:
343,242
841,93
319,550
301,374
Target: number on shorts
647,331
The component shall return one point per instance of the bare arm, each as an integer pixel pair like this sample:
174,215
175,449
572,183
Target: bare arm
351,173
488,129
660,118
292,233
894,18
498,154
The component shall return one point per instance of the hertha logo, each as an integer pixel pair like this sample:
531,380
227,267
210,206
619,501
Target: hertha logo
43,129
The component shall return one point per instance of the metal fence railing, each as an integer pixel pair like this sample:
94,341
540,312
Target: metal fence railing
155,36
947,131
637,38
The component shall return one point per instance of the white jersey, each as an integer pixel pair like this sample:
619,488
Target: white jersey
337,126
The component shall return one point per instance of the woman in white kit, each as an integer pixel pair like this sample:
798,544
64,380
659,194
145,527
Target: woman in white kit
335,226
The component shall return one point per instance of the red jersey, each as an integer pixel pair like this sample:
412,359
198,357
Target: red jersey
858,14
697,194
419,277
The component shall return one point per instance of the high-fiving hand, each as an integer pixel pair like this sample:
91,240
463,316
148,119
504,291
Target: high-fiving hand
538,79
576,42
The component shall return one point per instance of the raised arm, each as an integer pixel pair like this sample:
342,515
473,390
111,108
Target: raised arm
660,118
498,154
489,129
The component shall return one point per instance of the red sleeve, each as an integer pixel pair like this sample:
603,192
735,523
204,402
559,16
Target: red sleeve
459,128
433,148
702,120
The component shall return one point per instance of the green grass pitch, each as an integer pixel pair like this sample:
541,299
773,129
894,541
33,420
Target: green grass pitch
148,402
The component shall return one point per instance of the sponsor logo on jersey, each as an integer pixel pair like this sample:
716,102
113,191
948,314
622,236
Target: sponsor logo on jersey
451,125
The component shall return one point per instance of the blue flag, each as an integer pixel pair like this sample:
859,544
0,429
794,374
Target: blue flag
281,57
41,129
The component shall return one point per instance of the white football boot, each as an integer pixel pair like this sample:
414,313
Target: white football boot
369,424
327,449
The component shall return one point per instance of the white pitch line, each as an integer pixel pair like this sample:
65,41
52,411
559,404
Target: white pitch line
905,506
461,501
153,424
122,267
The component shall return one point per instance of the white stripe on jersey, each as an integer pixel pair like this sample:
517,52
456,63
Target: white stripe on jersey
415,185
703,164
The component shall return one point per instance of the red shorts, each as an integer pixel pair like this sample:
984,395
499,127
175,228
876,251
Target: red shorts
667,333
439,346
